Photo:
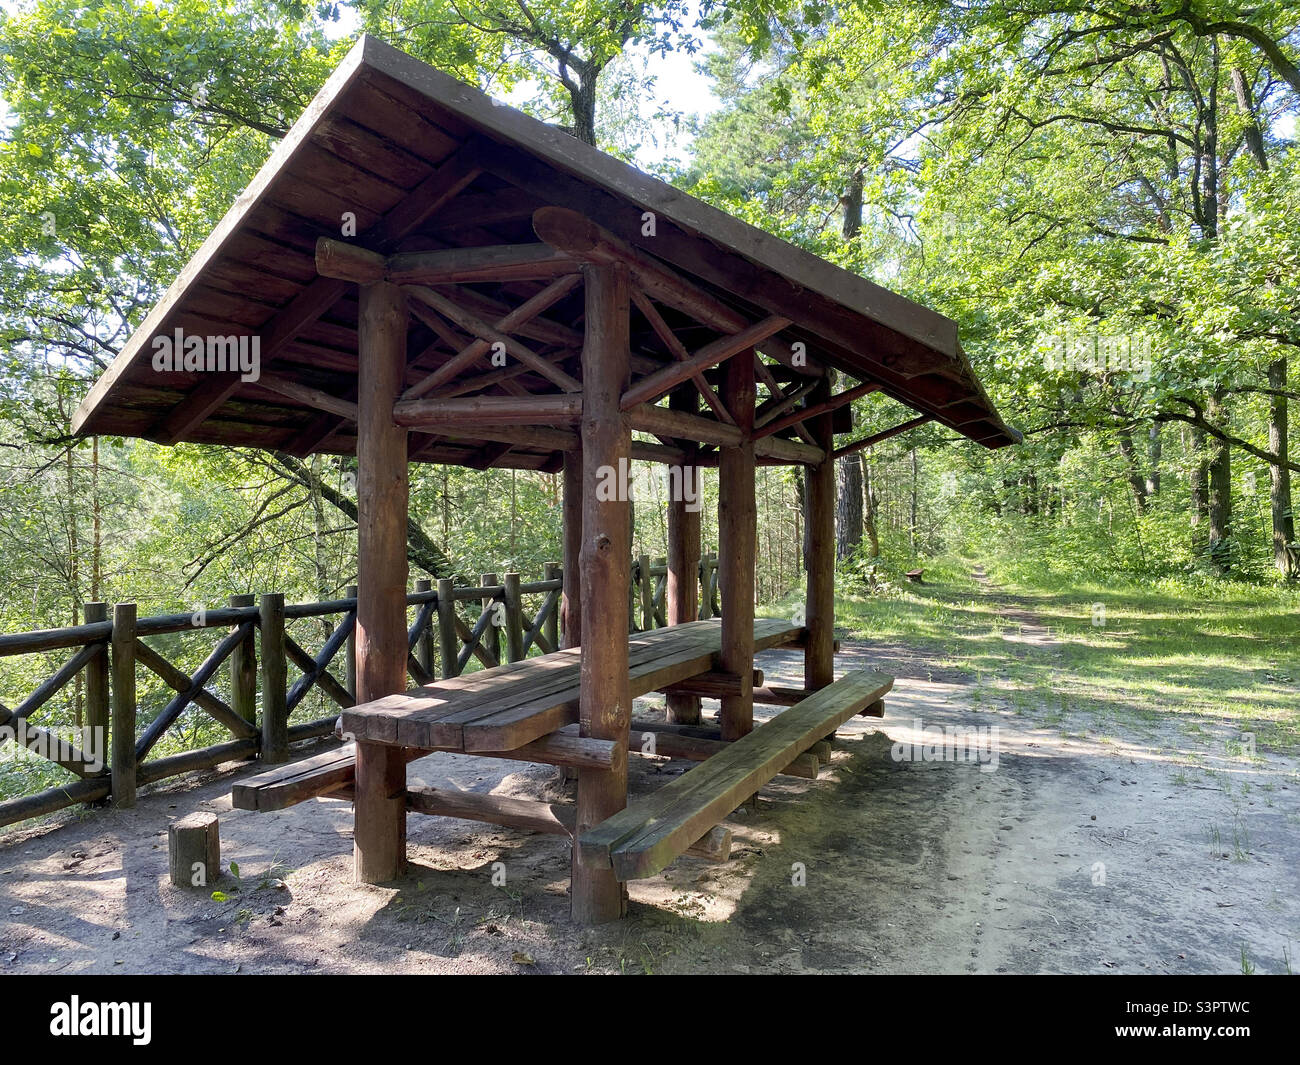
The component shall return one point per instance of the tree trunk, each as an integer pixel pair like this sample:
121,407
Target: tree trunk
911,528
848,505
1220,477
1286,552
851,201
1200,478
869,509
1135,478
1154,448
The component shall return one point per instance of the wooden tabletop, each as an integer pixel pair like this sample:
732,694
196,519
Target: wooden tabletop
504,708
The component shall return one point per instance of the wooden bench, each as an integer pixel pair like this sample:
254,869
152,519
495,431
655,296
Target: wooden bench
645,837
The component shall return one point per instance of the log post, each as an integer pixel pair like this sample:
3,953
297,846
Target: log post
551,623
605,694
514,618
275,687
448,642
243,669
379,808
819,609
706,600
350,662
571,594
424,641
123,705
682,587
194,850
647,593
737,538
492,634
95,739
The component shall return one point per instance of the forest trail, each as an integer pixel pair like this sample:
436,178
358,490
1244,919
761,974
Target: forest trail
1084,847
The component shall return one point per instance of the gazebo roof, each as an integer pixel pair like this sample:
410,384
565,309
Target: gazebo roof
426,164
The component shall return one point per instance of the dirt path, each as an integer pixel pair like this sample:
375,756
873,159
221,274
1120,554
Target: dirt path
1072,854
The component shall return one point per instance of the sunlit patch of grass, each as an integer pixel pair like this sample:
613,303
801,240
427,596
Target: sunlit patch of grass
1208,658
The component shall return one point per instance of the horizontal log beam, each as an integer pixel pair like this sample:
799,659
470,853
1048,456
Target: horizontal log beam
680,425
713,685
790,452
349,262
497,263
467,411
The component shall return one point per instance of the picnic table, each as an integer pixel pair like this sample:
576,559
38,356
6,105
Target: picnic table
528,710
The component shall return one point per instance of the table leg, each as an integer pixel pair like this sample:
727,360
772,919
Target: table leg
379,814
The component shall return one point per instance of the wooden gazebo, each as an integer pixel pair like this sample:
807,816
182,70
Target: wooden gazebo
428,275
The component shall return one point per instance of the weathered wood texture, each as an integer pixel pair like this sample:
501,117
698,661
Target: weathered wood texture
737,541
504,708
605,698
819,604
681,592
382,501
194,850
642,839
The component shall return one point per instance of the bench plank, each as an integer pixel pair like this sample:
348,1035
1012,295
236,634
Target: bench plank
645,837
287,785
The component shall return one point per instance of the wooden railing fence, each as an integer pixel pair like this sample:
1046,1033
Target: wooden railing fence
244,685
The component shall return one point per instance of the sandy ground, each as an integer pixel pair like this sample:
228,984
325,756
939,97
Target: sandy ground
1145,853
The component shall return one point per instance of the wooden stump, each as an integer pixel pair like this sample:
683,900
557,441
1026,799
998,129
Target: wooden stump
194,850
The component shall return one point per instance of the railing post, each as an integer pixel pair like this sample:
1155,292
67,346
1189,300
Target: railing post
647,593
275,709
350,660
424,639
123,705
448,643
706,600
492,634
243,670
632,597
514,618
97,692
551,623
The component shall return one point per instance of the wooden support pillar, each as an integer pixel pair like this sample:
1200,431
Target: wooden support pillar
379,838
819,610
605,695
571,595
682,588
737,537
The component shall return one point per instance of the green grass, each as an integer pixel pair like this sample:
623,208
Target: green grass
1228,655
